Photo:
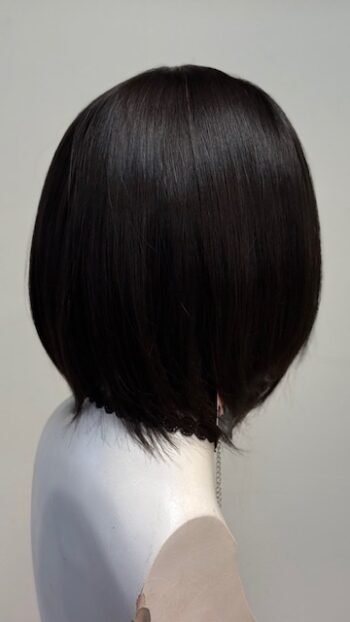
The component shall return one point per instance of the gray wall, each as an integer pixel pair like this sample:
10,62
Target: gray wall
287,499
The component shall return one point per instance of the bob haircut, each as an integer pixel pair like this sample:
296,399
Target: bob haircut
176,252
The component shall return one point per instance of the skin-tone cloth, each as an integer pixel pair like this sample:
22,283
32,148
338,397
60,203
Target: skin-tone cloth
195,577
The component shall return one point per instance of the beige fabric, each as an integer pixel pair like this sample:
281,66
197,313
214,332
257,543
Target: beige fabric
195,576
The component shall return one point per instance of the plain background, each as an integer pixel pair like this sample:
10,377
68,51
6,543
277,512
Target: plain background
287,498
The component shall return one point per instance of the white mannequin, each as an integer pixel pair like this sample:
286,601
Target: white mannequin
102,508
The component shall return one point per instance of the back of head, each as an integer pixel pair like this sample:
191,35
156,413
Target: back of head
176,251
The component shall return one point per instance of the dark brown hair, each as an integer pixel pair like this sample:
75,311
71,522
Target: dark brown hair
176,251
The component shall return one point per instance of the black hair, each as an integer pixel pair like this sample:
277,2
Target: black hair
176,252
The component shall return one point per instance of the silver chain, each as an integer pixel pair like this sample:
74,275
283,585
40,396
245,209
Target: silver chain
220,410
218,479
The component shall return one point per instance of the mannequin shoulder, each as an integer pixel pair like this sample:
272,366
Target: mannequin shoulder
195,576
55,426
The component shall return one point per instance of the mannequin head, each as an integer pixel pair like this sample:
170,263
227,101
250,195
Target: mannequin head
176,251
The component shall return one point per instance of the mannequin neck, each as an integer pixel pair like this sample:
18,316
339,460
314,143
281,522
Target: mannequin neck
184,474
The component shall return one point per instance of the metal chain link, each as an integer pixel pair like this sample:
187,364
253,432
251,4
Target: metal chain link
218,478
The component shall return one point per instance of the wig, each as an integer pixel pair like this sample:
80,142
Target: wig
176,252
